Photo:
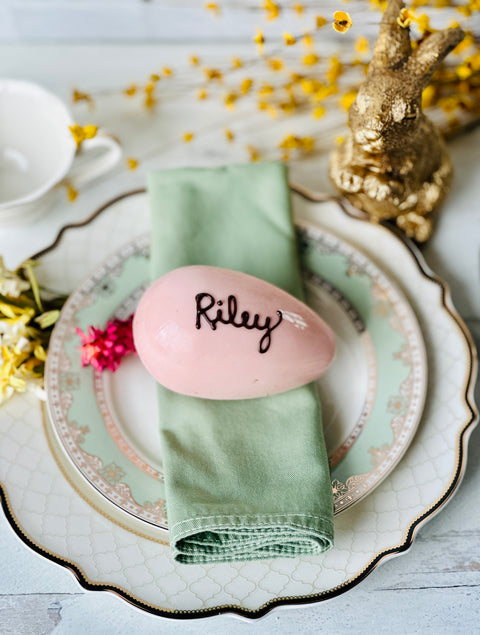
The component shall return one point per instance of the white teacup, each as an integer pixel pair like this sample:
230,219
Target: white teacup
37,150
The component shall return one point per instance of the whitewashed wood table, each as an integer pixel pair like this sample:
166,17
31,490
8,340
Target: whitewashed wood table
434,587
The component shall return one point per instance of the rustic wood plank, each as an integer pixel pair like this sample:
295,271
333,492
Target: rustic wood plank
29,614
141,21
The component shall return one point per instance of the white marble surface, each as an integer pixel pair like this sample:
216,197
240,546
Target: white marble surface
434,588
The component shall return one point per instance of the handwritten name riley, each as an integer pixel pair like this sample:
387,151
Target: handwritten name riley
206,309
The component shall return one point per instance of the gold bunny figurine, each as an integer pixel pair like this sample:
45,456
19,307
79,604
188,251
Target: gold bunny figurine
394,164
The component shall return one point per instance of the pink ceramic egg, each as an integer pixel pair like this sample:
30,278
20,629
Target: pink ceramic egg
221,334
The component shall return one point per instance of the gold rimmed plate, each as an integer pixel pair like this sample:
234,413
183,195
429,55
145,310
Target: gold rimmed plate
106,423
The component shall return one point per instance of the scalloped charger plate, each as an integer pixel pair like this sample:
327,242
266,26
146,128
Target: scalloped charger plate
46,498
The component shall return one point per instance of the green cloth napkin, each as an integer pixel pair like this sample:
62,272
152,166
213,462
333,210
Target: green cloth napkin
244,479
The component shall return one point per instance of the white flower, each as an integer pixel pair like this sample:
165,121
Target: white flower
11,285
35,386
14,336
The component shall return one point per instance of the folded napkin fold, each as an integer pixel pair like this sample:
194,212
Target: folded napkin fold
246,479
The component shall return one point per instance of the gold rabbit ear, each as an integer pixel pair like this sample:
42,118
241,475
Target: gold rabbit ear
431,52
392,47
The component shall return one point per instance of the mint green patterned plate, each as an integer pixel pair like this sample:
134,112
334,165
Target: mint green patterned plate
104,425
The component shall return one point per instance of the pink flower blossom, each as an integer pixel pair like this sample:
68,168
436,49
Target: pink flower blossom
106,348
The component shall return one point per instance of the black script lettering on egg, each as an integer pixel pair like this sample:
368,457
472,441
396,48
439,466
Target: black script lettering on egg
205,302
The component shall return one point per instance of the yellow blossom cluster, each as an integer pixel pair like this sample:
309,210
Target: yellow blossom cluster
20,356
289,39
81,133
307,81
149,90
213,7
295,91
467,9
150,99
78,95
131,90
272,9
295,143
405,18
310,59
25,328
213,74
298,8
362,45
132,163
72,193
229,136
341,21
275,64
246,85
455,90
229,100
320,21
259,40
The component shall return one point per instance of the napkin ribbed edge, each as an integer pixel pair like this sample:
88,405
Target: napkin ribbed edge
253,537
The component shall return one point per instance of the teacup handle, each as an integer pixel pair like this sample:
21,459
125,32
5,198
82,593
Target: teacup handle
98,166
